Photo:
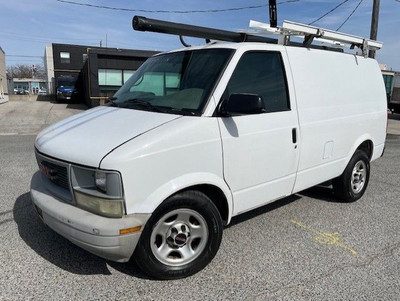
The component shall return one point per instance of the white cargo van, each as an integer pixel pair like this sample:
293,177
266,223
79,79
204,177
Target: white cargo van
202,134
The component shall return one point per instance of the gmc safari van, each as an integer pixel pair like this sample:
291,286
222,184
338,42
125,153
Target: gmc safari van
199,135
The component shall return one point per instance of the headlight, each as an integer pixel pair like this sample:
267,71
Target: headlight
101,180
98,191
59,92
98,205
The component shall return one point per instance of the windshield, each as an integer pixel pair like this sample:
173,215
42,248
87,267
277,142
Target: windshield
66,84
178,83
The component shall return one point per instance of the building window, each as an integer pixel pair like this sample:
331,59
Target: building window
84,57
128,74
388,79
64,57
110,77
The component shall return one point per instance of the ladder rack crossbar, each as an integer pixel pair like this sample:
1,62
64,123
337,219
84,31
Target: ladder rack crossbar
301,29
309,33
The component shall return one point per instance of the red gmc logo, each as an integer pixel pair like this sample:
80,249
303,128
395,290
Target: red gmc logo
49,173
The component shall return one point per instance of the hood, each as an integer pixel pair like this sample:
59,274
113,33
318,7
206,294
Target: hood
87,137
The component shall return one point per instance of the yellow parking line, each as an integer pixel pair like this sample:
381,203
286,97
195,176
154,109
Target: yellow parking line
325,238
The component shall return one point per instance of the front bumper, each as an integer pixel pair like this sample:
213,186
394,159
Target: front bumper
64,96
96,234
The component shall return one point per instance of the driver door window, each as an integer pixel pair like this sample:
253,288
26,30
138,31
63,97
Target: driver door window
261,73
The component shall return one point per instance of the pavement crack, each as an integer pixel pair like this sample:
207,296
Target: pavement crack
12,211
6,221
46,122
386,252
6,212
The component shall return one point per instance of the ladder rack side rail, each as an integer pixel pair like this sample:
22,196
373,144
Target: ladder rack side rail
179,29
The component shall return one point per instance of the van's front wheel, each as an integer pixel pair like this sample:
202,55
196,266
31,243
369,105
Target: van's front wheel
181,237
351,185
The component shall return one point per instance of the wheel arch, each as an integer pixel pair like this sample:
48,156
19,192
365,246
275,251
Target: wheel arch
216,195
364,143
211,185
368,147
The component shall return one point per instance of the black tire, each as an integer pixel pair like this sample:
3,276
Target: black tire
351,185
193,212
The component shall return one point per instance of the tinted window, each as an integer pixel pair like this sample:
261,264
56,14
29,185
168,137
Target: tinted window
261,73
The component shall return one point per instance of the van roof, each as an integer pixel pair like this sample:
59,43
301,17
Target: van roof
248,45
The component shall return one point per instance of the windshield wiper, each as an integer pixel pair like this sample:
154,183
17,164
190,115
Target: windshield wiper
111,102
144,103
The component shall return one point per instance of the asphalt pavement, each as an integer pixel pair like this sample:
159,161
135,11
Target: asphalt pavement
304,247
29,117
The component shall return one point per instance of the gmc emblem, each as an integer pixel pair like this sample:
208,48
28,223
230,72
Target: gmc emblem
49,173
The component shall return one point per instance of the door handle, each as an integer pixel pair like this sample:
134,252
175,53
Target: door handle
294,135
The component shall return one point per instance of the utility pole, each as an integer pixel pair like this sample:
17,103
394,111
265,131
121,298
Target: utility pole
273,14
374,25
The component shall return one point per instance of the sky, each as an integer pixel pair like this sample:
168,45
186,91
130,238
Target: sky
27,26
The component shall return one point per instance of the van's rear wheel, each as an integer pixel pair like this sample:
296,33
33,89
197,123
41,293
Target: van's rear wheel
181,237
351,185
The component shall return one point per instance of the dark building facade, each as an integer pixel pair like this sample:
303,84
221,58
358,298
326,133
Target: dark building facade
96,72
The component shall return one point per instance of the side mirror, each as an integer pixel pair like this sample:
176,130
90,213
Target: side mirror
242,104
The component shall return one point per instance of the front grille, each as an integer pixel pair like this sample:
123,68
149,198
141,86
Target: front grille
55,173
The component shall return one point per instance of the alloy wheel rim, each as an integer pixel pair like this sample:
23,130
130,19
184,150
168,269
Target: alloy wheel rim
358,176
179,237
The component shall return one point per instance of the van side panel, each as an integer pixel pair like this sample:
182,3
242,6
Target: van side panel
341,102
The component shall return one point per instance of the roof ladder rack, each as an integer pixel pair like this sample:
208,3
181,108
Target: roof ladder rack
311,33
285,32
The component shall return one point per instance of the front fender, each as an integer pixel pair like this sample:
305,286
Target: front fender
184,182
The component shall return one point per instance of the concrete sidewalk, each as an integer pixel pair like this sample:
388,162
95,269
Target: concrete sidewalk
30,117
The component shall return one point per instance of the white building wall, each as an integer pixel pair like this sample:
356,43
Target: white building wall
49,66
396,81
396,88
3,78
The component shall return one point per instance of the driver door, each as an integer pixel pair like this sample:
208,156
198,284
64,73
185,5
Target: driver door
260,151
